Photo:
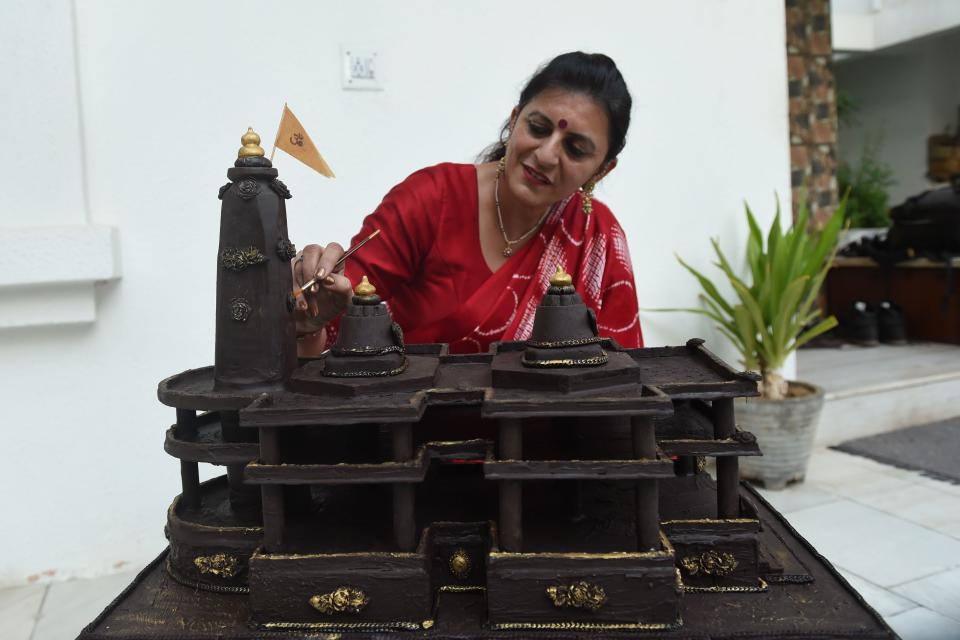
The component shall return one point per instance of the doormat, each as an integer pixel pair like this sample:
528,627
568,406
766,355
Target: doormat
932,449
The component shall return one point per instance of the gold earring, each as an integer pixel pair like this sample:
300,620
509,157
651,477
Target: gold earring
586,194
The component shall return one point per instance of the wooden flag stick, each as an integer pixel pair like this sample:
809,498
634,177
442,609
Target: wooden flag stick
276,138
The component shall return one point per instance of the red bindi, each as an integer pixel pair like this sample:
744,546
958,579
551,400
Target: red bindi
562,124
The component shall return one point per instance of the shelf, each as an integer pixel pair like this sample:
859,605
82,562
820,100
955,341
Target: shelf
382,473
743,445
692,371
577,469
193,389
209,446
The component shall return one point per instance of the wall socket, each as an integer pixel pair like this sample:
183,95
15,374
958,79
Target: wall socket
361,68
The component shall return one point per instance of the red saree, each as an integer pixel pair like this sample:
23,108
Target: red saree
428,266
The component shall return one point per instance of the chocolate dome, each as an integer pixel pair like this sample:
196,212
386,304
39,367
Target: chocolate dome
564,329
369,343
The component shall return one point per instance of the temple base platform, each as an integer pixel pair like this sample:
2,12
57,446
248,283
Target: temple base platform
808,600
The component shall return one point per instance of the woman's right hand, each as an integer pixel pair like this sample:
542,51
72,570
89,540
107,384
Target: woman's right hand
326,299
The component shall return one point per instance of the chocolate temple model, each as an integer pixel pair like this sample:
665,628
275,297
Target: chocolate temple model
549,488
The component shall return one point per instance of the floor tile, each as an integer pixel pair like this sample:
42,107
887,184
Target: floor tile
922,504
939,592
877,546
885,602
940,485
848,475
923,624
72,605
851,368
19,607
798,496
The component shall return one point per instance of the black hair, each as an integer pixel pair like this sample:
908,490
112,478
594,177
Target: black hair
592,74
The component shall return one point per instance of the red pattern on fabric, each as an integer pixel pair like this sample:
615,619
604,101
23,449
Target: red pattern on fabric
428,264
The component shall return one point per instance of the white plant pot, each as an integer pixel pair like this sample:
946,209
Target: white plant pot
785,431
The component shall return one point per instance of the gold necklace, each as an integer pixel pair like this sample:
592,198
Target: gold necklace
508,250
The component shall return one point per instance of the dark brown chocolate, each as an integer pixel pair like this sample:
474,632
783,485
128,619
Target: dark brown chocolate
548,488
255,336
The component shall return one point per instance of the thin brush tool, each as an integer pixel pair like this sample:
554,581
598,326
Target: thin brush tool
296,297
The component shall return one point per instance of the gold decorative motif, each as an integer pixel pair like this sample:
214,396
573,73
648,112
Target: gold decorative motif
590,626
251,145
368,374
761,587
460,563
240,309
398,625
572,342
561,278
202,586
460,588
710,563
365,289
238,259
565,362
220,565
579,595
341,600
701,463
713,521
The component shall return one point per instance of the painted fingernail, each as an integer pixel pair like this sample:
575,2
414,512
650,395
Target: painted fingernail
328,280
321,273
314,288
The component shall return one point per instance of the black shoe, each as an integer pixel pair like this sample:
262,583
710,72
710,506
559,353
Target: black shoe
860,325
892,328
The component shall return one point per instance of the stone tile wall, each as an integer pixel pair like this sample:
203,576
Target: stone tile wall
813,106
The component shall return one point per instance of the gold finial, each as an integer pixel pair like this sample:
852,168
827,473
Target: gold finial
561,278
251,144
365,289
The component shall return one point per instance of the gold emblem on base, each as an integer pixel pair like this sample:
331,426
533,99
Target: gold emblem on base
220,565
710,563
341,600
460,563
579,595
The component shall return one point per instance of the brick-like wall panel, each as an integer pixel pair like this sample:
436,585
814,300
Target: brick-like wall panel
813,106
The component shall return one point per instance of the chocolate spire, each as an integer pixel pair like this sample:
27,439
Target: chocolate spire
370,343
256,341
564,329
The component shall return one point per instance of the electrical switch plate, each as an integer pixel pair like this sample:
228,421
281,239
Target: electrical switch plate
361,68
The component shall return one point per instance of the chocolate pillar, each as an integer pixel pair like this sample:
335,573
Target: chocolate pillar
404,524
648,516
728,467
256,340
511,491
189,469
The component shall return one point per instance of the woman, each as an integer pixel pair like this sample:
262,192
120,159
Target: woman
466,251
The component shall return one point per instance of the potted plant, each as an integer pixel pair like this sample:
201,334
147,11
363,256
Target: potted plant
772,313
866,184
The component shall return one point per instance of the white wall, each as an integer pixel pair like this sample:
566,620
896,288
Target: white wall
906,94
166,90
868,25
